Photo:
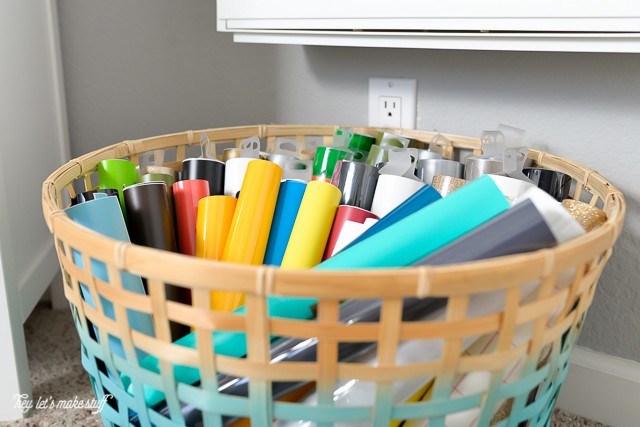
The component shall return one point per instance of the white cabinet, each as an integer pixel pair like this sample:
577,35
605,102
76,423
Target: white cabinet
542,25
33,143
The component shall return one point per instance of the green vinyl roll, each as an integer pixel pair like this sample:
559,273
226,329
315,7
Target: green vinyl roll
424,231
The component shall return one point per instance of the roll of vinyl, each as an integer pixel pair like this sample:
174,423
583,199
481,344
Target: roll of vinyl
428,168
215,214
211,170
427,154
254,213
588,216
420,199
117,173
249,233
186,196
231,153
511,188
234,173
287,206
312,226
391,191
325,161
557,184
357,182
345,214
168,179
280,159
150,218
151,224
104,215
446,185
425,231
351,230
563,226
476,166
519,229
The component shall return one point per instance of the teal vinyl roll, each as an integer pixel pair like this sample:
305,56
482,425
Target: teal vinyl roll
424,231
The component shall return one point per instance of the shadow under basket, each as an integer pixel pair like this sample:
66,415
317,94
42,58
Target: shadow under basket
502,368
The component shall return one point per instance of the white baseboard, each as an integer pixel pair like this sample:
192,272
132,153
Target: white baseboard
603,388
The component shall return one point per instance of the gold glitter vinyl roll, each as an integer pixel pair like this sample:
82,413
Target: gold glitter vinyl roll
447,184
588,216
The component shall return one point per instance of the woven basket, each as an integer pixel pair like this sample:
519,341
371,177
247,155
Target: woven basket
554,311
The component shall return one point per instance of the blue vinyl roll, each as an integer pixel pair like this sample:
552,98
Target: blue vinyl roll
421,198
287,205
425,231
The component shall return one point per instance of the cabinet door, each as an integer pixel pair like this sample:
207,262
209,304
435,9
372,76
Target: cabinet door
455,15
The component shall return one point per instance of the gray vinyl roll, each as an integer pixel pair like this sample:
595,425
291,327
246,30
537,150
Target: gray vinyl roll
428,168
520,229
476,166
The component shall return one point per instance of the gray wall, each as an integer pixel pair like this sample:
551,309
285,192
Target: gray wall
142,68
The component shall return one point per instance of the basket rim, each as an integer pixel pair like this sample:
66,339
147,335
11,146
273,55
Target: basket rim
600,239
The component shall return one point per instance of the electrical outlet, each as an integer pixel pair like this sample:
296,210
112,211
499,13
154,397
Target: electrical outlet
390,110
393,102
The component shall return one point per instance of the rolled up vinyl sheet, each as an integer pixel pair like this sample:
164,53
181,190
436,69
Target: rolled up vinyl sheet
477,166
104,215
312,226
234,173
512,188
520,229
557,184
249,231
427,230
345,214
351,230
391,191
215,214
357,182
420,199
562,225
284,217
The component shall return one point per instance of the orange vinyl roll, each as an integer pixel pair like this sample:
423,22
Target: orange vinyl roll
215,214
249,231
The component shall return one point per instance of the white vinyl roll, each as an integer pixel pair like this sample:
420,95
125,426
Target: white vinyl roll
512,188
391,191
234,172
562,225
351,230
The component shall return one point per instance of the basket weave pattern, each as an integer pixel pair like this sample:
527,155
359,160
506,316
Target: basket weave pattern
564,279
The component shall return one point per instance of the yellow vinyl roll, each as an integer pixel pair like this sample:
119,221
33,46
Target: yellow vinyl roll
249,232
215,214
312,227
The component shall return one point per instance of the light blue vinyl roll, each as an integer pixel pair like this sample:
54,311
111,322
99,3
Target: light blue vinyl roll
287,206
103,215
425,231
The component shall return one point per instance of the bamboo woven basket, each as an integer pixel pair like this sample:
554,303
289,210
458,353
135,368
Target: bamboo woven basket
554,311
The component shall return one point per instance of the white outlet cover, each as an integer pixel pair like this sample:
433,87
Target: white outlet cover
407,89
